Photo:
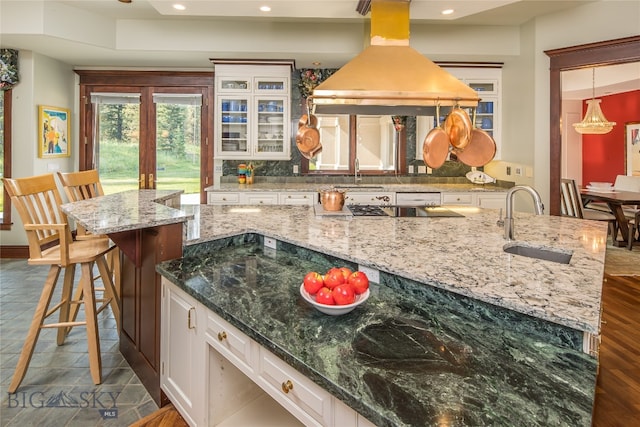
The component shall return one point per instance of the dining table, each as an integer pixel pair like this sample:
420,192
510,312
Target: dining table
616,200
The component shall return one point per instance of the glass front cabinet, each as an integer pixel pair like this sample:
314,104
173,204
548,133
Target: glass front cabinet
252,112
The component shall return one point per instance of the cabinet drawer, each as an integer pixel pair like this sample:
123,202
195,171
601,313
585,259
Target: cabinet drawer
302,397
370,198
492,201
231,343
457,199
297,198
223,198
252,198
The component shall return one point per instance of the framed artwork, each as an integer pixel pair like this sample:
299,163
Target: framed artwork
632,148
54,132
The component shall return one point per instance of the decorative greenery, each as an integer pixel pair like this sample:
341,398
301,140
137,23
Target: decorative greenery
312,77
8,68
399,122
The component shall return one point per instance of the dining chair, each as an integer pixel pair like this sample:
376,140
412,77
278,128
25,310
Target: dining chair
634,228
84,185
571,205
38,201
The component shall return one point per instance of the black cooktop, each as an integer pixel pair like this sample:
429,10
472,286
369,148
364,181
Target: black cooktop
402,211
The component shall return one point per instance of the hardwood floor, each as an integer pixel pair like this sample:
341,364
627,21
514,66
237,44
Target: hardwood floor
617,402
618,389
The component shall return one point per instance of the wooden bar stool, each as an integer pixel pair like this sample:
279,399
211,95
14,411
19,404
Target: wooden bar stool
37,200
571,205
86,185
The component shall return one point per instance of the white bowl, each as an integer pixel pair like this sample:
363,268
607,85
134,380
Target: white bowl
600,184
275,119
333,310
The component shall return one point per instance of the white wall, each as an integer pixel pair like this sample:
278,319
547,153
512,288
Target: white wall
43,81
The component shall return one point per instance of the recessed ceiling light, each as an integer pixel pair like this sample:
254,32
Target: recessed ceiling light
447,11
265,9
316,63
179,6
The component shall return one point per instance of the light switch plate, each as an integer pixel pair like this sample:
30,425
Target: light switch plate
411,169
422,169
295,168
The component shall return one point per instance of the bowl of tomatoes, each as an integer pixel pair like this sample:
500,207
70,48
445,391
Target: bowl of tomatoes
337,292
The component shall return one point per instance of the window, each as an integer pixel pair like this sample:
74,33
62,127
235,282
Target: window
369,141
5,153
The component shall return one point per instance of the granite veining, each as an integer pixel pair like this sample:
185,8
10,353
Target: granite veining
462,255
403,358
128,210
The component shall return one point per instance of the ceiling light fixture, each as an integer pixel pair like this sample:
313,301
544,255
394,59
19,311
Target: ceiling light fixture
265,9
179,6
447,12
594,122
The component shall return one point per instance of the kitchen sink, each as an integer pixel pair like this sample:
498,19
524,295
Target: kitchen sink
547,254
375,187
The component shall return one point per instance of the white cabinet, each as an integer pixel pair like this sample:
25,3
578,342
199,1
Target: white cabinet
182,354
297,198
487,82
252,117
369,198
261,198
215,375
487,200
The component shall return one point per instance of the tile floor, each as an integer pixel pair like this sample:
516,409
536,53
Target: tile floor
57,389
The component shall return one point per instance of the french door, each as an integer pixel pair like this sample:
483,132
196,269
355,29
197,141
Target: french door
148,137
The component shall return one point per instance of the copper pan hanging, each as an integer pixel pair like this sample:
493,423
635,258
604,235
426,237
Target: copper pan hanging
480,150
435,148
458,127
308,136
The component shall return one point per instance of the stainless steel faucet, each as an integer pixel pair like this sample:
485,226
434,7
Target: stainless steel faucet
508,219
357,172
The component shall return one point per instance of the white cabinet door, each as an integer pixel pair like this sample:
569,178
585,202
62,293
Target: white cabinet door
297,198
252,117
181,354
259,198
223,198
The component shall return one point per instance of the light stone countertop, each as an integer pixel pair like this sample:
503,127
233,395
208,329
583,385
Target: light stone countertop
462,255
349,186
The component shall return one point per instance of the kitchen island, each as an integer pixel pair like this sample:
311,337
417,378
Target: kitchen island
457,329
505,337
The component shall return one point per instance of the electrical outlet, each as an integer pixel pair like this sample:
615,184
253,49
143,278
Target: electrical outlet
519,171
217,169
270,243
508,170
429,171
422,169
295,169
411,169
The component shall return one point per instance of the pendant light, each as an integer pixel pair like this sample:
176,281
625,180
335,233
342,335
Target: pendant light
594,121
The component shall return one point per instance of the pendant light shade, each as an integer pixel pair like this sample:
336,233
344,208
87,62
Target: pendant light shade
594,122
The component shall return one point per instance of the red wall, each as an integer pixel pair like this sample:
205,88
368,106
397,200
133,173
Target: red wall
603,155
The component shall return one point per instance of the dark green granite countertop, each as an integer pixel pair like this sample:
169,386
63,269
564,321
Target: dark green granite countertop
411,355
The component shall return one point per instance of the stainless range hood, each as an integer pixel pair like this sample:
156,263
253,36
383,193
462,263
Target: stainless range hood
389,76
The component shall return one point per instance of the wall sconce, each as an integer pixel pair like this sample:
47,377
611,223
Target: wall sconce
594,121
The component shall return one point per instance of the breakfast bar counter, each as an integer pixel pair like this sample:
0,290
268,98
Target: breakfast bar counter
457,329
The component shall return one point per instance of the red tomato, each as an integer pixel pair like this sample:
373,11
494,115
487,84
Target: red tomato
344,294
333,278
313,282
325,296
359,281
346,272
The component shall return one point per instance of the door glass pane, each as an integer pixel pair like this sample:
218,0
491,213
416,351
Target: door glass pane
178,127
117,142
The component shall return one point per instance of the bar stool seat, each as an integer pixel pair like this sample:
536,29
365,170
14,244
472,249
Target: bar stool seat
37,200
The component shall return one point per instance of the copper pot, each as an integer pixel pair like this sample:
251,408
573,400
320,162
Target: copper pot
332,200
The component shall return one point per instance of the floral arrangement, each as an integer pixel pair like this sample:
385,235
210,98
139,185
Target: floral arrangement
312,77
399,122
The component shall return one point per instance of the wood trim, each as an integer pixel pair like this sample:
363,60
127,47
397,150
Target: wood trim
145,78
15,252
618,51
7,112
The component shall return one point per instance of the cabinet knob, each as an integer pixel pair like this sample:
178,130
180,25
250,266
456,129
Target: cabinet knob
222,336
287,386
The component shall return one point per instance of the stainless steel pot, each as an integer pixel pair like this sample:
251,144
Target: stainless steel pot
332,199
